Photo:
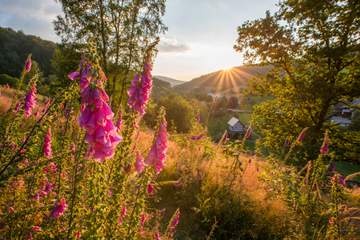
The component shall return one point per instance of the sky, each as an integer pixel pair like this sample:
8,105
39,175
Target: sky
199,40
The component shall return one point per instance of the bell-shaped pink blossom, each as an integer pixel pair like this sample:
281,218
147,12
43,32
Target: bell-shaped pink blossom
157,236
47,150
325,145
28,64
157,154
139,163
96,115
122,215
140,90
248,133
175,221
36,229
59,208
150,189
30,101
119,121
301,136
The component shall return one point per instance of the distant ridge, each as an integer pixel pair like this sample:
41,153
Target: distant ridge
224,81
173,82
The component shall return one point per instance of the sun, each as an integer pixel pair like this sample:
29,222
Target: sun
227,69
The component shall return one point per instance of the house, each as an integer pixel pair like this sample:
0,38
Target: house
344,114
235,128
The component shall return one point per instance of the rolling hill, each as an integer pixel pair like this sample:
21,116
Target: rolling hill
15,47
223,82
173,82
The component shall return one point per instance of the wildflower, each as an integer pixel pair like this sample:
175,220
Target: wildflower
198,118
139,163
17,107
338,179
301,136
96,115
28,64
248,133
175,221
11,210
140,89
29,237
158,150
36,228
150,188
51,167
59,208
30,101
325,145
198,137
48,187
144,217
77,235
47,151
122,215
332,167
287,142
332,220
157,236
119,121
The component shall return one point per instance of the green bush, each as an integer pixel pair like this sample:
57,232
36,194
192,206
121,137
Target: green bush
7,79
180,113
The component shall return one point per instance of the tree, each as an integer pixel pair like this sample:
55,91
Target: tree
180,114
314,49
121,31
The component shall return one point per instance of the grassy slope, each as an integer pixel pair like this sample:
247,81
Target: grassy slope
193,166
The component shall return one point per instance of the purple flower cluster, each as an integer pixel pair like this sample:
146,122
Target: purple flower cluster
96,115
30,101
157,153
59,208
47,144
140,90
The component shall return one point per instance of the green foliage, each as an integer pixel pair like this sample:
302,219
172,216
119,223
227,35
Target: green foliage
11,81
15,47
180,113
121,32
313,48
64,60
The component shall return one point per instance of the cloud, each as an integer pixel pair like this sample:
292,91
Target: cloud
33,17
171,45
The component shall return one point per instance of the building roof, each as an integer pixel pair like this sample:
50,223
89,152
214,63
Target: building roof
233,121
340,121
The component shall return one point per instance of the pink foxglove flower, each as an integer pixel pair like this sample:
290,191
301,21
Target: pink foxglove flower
28,64
47,150
157,236
158,150
301,136
150,188
197,137
119,121
122,215
140,90
59,208
139,163
248,133
30,101
175,221
77,235
36,228
144,217
325,145
17,107
96,115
